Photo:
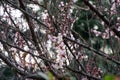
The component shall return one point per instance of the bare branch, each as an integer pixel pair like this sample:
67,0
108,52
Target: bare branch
106,21
91,49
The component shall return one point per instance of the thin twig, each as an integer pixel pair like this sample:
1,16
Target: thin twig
103,54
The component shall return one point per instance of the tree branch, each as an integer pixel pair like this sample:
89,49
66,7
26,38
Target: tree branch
106,21
30,15
82,73
92,49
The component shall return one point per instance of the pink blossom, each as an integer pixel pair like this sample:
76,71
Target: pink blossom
105,36
118,28
97,33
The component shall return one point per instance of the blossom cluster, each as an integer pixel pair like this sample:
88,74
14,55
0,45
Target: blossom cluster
105,34
55,42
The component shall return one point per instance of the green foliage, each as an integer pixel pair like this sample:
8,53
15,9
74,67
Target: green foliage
72,78
7,73
87,20
85,23
109,77
106,3
50,75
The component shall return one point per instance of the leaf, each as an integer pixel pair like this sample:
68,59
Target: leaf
109,77
50,76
